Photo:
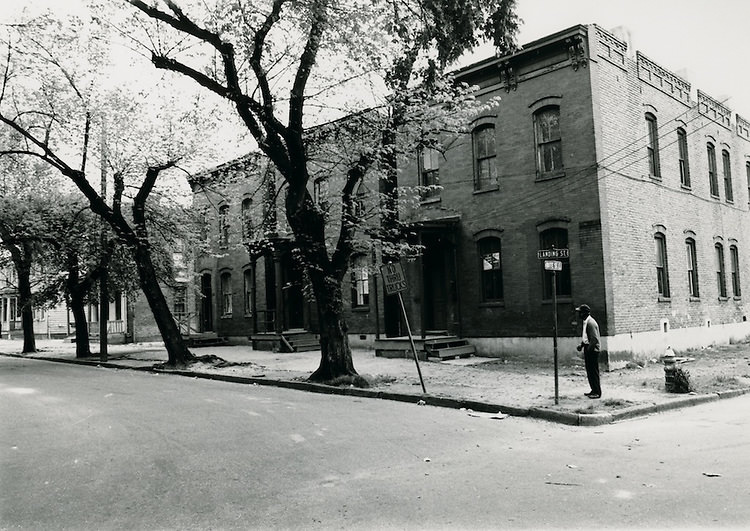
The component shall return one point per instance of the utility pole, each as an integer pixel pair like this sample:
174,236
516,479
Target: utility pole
103,294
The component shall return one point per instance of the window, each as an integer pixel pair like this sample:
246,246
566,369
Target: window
662,272
557,238
118,306
429,172
224,225
721,279
359,201
226,294
247,219
726,163
180,302
734,258
320,193
548,140
747,174
492,269
360,282
485,167
247,278
653,145
692,268
683,158
713,180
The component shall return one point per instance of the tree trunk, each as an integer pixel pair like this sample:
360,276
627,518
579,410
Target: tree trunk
24,301
177,351
335,352
78,307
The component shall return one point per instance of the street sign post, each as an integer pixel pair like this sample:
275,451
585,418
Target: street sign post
394,282
552,263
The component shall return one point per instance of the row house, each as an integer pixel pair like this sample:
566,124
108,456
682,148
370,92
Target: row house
593,148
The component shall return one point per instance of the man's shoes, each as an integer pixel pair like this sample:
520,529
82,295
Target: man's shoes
592,395
589,393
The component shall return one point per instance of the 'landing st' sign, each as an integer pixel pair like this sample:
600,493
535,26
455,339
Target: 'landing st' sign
552,254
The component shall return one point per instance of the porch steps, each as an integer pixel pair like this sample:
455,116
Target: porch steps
299,341
205,339
432,348
448,347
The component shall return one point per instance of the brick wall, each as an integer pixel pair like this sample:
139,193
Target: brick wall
635,205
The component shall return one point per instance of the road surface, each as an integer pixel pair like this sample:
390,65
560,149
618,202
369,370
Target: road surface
91,448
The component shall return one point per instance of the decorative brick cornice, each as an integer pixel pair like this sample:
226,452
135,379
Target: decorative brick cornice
714,110
662,79
508,76
743,127
610,47
576,51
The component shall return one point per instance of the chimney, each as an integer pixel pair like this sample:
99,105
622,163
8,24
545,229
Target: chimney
623,34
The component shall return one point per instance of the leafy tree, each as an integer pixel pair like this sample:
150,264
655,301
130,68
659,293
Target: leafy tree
56,99
276,61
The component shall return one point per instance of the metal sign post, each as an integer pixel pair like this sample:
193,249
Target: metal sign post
394,282
554,266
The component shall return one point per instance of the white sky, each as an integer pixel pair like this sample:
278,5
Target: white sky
708,38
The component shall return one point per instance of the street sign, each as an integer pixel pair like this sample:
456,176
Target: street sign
552,254
394,280
553,265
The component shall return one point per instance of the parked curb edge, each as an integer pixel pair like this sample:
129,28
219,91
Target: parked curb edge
550,415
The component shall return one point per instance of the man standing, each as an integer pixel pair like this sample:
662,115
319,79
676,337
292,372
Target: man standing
590,345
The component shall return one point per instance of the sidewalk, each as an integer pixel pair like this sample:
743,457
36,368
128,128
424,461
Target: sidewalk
482,385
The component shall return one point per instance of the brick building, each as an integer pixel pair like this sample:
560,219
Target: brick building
593,148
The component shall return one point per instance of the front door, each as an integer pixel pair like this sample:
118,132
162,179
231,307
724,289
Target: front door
439,284
294,301
207,306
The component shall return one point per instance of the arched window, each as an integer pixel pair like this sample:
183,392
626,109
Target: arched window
226,294
713,180
247,219
682,148
491,269
320,193
692,268
662,268
721,274
360,278
555,238
734,260
359,200
485,159
726,163
224,225
653,145
549,157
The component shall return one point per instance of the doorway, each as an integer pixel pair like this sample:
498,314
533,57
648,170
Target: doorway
207,307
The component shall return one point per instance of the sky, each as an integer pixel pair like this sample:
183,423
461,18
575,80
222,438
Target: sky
710,39
704,41
707,39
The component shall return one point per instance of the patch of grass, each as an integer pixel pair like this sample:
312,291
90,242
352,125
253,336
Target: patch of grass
616,402
349,381
584,410
726,380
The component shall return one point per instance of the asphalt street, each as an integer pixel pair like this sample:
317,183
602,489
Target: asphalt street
92,448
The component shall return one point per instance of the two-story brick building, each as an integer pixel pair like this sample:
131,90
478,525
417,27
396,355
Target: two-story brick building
593,148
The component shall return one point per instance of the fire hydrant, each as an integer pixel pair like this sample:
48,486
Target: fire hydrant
670,366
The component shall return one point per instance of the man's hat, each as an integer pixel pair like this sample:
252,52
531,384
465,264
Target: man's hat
584,308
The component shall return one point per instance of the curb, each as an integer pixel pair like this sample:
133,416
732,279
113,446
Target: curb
540,413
